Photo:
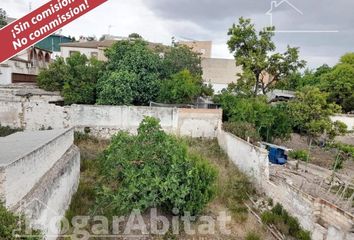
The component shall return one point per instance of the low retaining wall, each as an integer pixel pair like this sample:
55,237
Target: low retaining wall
325,220
39,172
104,121
348,119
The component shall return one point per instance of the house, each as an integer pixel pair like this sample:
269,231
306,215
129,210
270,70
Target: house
52,43
25,66
202,47
92,48
89,48
220,72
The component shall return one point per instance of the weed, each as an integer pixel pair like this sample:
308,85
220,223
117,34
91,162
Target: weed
6,131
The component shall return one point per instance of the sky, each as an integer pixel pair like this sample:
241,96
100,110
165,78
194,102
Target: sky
323,30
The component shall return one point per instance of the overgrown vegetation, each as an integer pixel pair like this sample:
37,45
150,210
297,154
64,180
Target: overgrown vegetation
135,74
13,227
268,121
233,187
75,77
153,169
5,131
302,155
337,81
3,18
285,223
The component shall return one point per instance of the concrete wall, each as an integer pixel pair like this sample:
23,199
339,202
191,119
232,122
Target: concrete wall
65,51
248,158
39,173
348,119
325,220
104,121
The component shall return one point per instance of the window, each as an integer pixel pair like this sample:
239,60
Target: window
73,52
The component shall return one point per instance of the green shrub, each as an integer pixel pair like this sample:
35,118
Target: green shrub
303,235
252,236
6,131
345,148
116,89
285,223
302,155
153,169
53,78
10,223
243,130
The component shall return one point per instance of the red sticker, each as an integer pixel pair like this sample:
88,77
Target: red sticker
42,22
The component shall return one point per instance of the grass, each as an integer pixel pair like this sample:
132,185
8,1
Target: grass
10,222
233,187
6,131
285,223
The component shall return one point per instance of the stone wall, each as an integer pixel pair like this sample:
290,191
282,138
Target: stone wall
39,173
325,220
104,121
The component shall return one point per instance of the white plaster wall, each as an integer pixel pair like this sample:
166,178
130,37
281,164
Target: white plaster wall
5,75
104,121
55,200
120,117
10,114
347,119
23,174
39,115
248,158
199,122
65,51
254,162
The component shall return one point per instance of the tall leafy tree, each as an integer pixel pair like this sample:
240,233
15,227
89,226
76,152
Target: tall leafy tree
178,58
3,18
254,52
135,57
76,78
339,83
311,113
80,85
181,88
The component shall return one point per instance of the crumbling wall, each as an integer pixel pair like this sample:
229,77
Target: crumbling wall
105,121
248,158
326,221
39,173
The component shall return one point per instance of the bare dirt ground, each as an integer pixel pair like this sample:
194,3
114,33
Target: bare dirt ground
240,225
321,156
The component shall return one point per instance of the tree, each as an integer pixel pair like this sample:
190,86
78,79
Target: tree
153,169
254,51
178,58
182,87
53,78
116,89
75,78
3,18
134,56
270,121
339,83
296,81
83,73
135,36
